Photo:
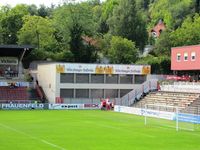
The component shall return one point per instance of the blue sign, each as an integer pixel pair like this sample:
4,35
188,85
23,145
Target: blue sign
188,118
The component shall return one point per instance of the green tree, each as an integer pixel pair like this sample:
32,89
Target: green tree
32,9
122,51
102,13
71,28
39,32
173,12
127,22
159,65
11,22
163,44
188,33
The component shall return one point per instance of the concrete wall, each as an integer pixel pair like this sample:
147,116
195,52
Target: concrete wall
47,80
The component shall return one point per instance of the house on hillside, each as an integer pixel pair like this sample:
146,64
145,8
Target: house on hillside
158,28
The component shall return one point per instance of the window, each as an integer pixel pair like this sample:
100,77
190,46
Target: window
193,56
82,78
66,78
178,57
82,93
185,56
66,93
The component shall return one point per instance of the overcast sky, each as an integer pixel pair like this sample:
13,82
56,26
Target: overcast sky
36,2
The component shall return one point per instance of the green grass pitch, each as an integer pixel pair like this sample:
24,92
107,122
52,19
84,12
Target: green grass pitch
88,130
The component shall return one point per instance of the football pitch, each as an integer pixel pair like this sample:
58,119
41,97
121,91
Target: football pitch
89,130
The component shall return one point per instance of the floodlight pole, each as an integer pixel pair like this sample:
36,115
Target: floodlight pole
20,61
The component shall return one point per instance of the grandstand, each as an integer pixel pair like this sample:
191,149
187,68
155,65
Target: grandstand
180,96
78,83
13,86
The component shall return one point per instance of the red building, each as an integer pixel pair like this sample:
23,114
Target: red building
185,60
156,31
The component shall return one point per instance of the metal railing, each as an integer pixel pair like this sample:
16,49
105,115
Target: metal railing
137,93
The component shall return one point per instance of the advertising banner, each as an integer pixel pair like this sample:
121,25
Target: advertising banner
66,106
103,69
182,117
22,106
129,110
91,106
147,112
8,61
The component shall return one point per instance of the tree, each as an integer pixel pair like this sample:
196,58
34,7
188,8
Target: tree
127,23
163,44
44,11
39,32
173,12
32,9
159,65
11,22
197,6
122,51
107,10
72,27
188,33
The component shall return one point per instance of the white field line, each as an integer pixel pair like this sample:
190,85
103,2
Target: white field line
32,137
172,127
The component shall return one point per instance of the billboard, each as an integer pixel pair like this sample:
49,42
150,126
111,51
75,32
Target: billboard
103,69
147,112
73,106
8,61
22,106
66,106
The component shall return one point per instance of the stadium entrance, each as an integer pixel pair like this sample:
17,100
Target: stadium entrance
11,60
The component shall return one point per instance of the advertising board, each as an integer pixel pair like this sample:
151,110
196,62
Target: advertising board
74,106
91,106
22,106
66,106
147,112
103,69
183,117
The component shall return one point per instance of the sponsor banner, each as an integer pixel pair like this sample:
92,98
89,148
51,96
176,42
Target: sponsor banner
8,61
91,106
182,117
3,83
22,106
147,112
103,69
158,114
129,110
66,106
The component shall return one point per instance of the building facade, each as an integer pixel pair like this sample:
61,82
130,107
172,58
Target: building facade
74,82
185,60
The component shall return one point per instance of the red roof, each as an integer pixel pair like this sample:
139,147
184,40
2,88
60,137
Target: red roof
90,40
158,29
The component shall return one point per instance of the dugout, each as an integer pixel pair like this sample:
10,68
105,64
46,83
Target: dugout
11,57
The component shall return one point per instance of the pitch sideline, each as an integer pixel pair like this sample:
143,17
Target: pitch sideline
33,137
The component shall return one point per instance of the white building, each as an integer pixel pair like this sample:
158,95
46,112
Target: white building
86,83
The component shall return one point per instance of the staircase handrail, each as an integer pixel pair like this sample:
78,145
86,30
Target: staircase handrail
137,93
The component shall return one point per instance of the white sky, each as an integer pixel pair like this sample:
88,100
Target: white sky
36,2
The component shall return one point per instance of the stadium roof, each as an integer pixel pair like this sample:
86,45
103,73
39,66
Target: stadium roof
14,50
